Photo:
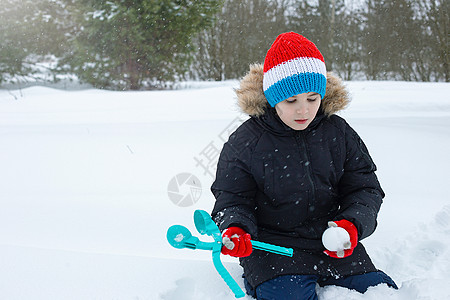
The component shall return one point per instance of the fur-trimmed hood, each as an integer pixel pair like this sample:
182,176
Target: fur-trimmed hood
252,101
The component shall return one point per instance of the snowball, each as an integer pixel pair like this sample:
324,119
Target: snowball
336,239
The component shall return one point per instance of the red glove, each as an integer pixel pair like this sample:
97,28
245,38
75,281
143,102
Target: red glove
352,232
236,242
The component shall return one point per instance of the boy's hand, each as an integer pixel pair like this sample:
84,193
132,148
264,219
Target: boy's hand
236,242
340,248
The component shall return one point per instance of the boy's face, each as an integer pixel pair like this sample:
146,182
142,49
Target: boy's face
299,111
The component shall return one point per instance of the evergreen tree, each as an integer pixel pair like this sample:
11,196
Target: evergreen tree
374,42
435,17
135,44
392,40
404,39
348,47
28,32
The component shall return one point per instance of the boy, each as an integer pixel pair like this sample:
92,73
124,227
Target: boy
290,171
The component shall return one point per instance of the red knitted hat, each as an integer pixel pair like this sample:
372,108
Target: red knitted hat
293,66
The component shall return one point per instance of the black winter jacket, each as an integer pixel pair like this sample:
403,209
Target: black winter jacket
282,186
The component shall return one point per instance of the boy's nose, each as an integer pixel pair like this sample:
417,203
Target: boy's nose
302,109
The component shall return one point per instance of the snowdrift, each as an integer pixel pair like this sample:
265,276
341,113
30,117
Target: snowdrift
84,180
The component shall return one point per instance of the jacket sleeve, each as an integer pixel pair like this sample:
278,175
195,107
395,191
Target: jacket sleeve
361,193
234,187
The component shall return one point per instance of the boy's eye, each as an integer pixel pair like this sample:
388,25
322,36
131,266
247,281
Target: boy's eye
312,99
291,100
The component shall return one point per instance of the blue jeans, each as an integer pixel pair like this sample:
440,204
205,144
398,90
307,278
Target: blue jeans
303,287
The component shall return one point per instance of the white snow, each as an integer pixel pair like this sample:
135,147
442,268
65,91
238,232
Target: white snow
179,237
84,207
226,242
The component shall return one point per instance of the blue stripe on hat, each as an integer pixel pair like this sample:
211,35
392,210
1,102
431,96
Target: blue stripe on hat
294,85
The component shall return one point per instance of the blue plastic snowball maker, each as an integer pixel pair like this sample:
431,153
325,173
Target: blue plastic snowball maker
180,237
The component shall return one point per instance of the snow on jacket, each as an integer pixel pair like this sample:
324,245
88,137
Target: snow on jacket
282,186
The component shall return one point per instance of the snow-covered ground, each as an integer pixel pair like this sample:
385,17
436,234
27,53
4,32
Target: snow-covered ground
84,203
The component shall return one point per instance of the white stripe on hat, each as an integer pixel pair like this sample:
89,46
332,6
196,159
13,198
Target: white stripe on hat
291,67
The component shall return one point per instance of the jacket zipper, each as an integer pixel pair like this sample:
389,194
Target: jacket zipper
308,169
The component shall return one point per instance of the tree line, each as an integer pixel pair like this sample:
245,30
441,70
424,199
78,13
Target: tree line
130,45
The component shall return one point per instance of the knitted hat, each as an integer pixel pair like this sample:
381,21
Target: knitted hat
293,66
